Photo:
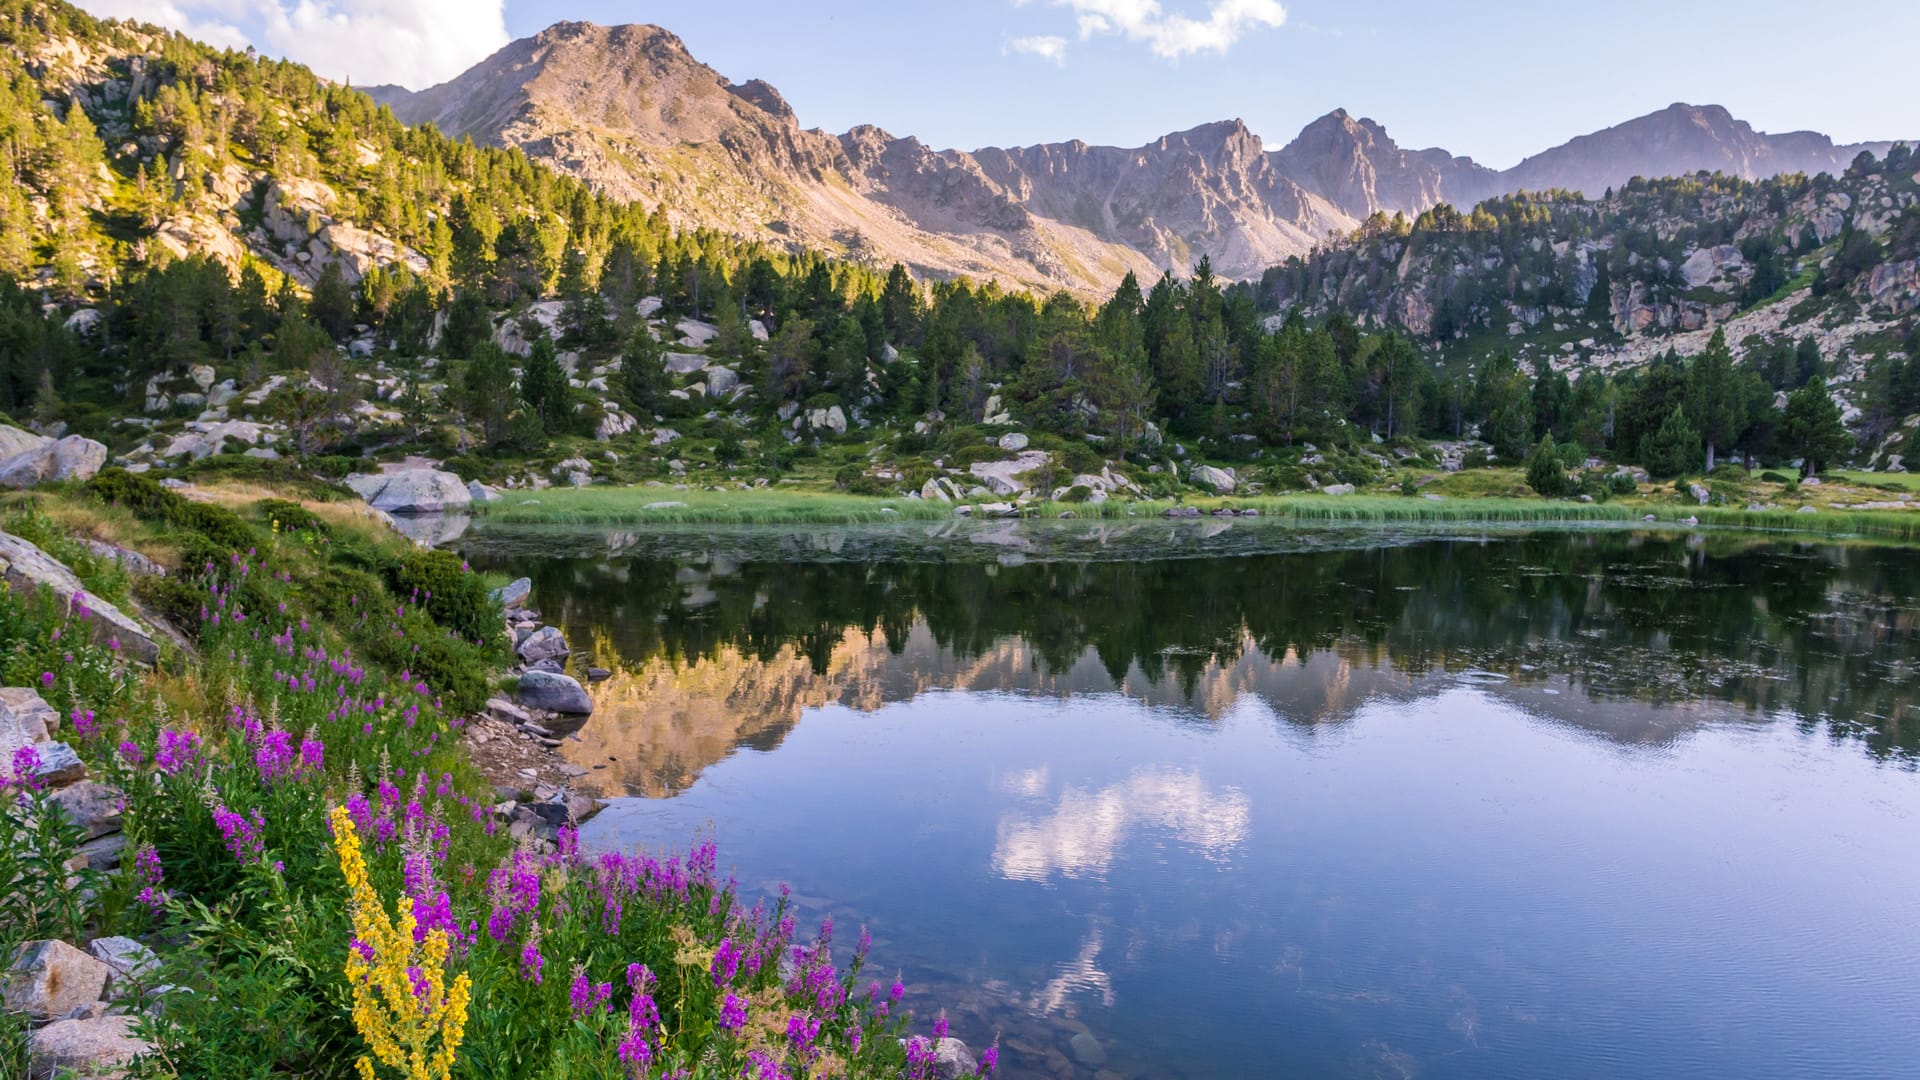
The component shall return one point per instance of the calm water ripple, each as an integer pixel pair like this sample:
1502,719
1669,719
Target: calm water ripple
1189,801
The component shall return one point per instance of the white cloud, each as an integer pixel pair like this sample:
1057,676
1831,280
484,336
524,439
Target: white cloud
412,42
1045,47
1171,35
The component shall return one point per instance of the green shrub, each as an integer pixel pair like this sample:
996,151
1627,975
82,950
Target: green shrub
453,595
1079,493
1776,478
968,456
173,600
223,531
1546,474
291,517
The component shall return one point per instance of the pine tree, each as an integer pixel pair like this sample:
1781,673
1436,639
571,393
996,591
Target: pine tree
1674,449
544,388
1812,429
643,379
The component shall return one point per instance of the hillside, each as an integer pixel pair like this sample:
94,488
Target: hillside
630,110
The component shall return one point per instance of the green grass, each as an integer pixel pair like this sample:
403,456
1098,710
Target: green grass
1882,480
629,506
640,505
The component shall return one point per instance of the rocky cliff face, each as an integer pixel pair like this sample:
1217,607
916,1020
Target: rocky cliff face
1677,140
629,109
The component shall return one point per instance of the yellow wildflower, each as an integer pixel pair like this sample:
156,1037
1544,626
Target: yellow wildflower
401,1002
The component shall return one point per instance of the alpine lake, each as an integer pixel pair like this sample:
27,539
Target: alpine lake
1238,799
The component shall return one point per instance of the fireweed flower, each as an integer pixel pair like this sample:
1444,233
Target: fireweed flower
178,751
726,963
242,836
146,868
989,1060
733,1013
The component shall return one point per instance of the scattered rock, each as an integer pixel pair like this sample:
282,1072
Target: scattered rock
1181,512
554,693
1087,1051
59,765
514,593
99,1046
92,806
23,712
478,492
598,674
1013,442
546,643
130,960
49,978
1700,495
1337,489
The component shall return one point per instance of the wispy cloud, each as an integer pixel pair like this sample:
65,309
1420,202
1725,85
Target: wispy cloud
1170,35
1046,47
412,42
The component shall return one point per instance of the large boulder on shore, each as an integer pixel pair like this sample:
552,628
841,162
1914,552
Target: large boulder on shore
514,593
51,978
412,491
26,569
554,693
49,460
1219,481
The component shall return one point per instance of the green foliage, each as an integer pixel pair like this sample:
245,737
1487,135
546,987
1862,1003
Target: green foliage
1674,449
453,595
1546,472
1812,429
291,517
210,530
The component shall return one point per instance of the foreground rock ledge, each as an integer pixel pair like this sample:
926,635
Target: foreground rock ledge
28,569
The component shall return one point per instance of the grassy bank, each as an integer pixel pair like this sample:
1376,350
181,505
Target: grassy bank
639,506
324,877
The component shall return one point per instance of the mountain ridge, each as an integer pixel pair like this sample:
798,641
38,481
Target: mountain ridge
632,111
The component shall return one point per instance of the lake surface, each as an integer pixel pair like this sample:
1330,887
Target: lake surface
1207,799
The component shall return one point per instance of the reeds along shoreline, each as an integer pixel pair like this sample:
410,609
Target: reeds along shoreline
635,506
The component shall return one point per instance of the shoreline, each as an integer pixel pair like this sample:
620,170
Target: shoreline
627,506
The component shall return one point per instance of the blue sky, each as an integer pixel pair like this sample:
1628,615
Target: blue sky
1492,80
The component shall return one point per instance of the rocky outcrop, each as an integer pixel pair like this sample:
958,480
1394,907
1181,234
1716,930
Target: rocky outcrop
28,569
1010,477
412,491
546,643
49,460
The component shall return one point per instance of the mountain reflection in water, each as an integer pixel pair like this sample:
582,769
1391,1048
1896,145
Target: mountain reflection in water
721,639
1184,800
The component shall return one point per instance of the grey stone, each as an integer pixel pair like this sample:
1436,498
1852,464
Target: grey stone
94,807
1337,489
507,712
25,717
104,852
130,961
548,665
554,693
1219,481
48,978
952,1060
546,643
598,674
481,493
412,491
1013,442
1700,495
71,458
59,764
98,1047
26,568
514,593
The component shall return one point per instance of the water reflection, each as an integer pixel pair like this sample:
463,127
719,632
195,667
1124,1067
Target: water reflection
1549,805
1081,834
725,641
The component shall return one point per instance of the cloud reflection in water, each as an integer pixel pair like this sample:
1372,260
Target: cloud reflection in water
1087,829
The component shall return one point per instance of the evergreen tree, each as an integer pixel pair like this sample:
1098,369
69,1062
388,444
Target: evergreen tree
1812,429
1674,449
486,391
1546,474
643,378
544,388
